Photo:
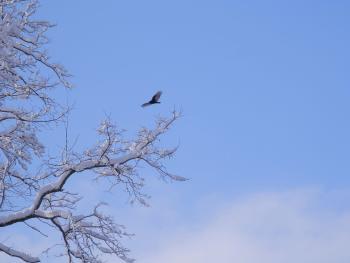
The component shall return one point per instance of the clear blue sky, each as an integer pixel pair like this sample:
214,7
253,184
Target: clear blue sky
264,88
263,85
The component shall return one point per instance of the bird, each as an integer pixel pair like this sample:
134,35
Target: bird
154,100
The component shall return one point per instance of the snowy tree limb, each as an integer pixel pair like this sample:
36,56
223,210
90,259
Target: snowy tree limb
106,160
32,184
14,253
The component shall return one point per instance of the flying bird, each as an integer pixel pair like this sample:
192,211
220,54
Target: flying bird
154,100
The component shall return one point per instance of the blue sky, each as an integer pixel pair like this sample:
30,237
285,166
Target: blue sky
263,86
264,89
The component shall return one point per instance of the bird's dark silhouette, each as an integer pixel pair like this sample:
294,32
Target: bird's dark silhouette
154,100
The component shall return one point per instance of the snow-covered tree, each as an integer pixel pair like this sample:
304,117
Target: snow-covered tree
32,184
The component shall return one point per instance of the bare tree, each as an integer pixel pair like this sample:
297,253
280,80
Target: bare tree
34,195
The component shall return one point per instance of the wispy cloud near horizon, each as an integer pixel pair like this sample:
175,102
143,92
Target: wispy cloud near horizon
305,225
288,227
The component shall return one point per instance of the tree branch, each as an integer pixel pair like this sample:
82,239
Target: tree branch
15,253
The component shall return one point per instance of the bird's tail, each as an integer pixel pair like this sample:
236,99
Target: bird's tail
145,104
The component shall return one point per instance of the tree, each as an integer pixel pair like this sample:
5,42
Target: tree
36,196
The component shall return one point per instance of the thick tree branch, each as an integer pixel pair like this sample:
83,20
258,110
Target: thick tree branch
32,184
14,253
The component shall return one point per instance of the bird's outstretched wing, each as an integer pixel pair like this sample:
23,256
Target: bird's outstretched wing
146,104
156,96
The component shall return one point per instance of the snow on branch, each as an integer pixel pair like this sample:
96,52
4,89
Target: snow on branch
114,158
14,253
35,194
27,77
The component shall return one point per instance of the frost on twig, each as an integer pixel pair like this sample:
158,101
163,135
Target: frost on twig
14,253
86,237
35,194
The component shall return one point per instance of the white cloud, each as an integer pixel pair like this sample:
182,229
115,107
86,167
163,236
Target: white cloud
303,226
285,227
